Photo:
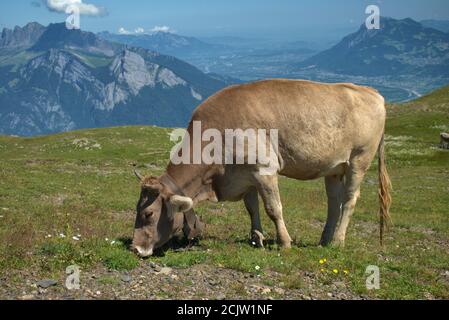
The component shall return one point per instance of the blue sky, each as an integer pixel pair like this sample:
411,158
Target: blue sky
292,19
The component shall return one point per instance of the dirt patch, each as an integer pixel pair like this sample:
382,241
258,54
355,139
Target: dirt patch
155,282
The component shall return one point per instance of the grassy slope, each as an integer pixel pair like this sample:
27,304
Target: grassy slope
56,184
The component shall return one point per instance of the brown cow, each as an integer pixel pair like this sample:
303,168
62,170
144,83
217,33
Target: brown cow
323,130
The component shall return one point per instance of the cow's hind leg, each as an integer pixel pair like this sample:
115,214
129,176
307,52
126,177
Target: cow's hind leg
269,191
252,205
353,179
334,191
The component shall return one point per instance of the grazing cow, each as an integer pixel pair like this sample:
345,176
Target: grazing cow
323,130
444,140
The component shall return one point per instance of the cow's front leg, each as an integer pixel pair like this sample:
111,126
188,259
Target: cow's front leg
269,191
252,205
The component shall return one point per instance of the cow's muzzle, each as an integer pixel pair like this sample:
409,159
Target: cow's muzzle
142,252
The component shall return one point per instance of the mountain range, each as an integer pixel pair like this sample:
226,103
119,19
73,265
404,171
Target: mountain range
53,79
165,43
442,25
399,47
237,58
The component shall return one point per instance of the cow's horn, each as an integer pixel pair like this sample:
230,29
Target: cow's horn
138,175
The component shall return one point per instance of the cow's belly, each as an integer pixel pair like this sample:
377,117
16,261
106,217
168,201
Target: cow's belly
305,172
303,166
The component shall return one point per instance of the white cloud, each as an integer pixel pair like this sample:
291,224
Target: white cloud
162,29
140,30
84,8
123,31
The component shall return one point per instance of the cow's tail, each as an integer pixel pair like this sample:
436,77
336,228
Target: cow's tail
384,191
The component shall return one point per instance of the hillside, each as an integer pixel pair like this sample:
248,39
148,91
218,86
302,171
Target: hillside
53,79
435,101
399,47
69,199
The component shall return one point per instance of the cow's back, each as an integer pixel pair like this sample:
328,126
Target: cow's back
319,124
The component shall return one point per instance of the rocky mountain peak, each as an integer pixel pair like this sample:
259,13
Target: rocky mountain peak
56,35
130,68
21,37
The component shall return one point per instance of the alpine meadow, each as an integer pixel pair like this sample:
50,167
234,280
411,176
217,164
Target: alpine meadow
224,151
72,197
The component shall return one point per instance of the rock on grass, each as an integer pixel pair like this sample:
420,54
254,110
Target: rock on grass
126,278
47,283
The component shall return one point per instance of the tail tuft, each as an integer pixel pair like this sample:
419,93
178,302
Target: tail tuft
384,192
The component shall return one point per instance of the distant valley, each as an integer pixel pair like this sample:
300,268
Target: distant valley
237,58
404,59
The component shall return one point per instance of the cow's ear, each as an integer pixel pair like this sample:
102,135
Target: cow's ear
152,185
180,203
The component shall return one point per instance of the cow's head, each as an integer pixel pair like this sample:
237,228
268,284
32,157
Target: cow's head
160,215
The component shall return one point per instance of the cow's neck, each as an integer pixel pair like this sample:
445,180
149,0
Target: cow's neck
189,178
194,179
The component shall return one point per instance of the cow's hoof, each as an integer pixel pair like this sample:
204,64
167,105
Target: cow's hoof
325,242
285,242
328,240
257,239
286,245
333,244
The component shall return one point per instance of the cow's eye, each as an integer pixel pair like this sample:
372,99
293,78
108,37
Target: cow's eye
149,214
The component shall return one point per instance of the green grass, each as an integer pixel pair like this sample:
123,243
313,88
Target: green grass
118,258
92,60
437,100
17,59
81,183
